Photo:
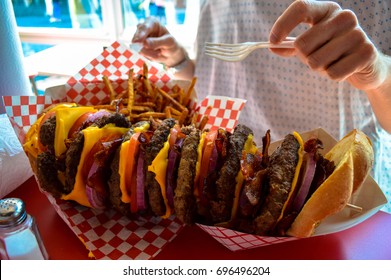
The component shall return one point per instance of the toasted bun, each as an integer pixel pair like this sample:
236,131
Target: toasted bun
353,158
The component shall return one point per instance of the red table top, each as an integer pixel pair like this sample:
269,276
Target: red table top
368,240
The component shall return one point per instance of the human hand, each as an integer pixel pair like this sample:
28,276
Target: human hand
334,45
158,44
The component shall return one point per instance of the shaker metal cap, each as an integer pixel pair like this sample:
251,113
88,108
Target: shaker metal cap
12,212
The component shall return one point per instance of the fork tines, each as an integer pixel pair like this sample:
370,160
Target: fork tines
237,52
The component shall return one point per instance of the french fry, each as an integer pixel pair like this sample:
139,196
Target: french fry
173,101
189,91
183,116
181,96
159,103
142,100
141,109
174,111
130,91
167,111
109,86
146,104
194,119
151,114
147,83
203,122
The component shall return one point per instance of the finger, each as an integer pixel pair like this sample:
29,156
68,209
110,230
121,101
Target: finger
284,52
300,11
352,64
149,28
339,24
154,55
335,49
164,42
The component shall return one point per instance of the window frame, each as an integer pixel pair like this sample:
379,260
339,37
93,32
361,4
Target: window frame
113,29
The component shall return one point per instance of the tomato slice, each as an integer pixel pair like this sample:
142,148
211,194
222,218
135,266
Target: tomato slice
100,152
175,133
206,155
78,124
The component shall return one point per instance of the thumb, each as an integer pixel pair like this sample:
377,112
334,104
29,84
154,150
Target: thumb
164,42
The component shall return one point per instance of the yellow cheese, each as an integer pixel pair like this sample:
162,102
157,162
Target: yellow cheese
249,148
65,118
198,163
142,128
125,196
91,136
159,167
297,172
31,145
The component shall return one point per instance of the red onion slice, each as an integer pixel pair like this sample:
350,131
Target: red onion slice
97,115
173,158
96,195
213,159
96,199
140,182
308,175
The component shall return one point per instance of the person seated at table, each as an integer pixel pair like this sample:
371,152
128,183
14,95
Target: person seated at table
340,81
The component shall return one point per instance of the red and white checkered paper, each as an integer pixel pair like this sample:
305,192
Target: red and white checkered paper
236,240
108,234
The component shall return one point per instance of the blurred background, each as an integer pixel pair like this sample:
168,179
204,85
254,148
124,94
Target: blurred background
61,36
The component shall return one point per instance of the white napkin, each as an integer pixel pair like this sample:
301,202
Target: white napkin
15,168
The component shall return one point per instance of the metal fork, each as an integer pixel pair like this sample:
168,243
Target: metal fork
238,52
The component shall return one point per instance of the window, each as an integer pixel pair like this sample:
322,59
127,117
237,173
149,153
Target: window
53,22
72,26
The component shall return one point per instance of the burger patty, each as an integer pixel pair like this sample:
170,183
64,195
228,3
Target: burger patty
184,200
115,193
226,183
76,146
117,119
72,160
47,132
281,172
158,139
47,173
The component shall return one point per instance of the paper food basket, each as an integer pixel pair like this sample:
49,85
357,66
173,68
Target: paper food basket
108,234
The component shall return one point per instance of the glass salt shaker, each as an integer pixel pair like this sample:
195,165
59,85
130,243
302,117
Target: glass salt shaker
19,235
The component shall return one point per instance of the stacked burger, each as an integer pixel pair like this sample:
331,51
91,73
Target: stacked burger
99,159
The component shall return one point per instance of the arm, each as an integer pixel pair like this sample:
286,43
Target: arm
380,96
160,46
337,47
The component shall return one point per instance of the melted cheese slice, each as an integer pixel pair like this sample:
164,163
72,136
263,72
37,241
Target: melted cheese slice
91,136
249,148
65,118
123,156
159,167
198,164
32,137
31,146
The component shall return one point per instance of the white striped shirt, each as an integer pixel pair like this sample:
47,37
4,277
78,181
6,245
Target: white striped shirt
282,93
